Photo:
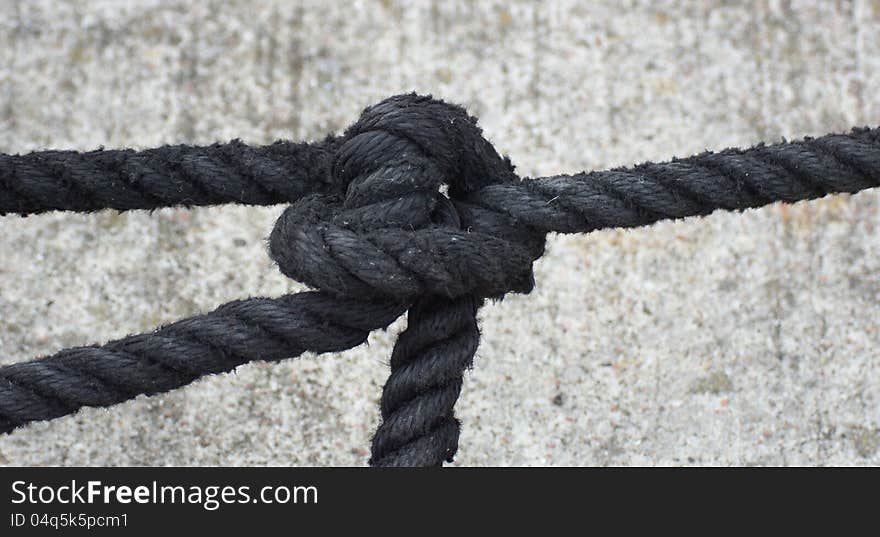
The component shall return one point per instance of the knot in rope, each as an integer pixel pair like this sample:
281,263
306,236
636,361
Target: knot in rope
389,231
411,209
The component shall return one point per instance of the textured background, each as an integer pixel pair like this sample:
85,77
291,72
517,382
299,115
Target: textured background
735,339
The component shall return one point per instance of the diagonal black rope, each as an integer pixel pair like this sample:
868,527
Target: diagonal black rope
369,228
181,352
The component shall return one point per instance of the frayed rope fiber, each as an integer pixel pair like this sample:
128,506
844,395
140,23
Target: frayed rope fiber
369,229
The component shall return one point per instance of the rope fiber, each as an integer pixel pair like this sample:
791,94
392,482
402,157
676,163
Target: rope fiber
369,229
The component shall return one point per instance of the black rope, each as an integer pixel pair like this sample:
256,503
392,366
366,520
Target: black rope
181,352
429,358
369,228
166,176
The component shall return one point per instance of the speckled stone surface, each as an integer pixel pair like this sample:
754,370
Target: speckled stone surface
736,339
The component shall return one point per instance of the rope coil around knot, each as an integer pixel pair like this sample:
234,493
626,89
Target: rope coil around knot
391,233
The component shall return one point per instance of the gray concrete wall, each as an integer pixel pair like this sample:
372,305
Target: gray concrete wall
735,339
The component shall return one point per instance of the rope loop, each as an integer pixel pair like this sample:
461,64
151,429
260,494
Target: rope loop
390,232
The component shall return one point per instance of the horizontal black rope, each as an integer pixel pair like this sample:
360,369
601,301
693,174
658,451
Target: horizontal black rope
733,179
166,176
369,228
284,172
181,352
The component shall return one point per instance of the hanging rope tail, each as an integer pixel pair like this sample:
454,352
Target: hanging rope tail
369,229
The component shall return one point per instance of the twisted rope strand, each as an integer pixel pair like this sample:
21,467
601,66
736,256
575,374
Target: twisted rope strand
284,172
733,179
166,176
181,352
429,359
